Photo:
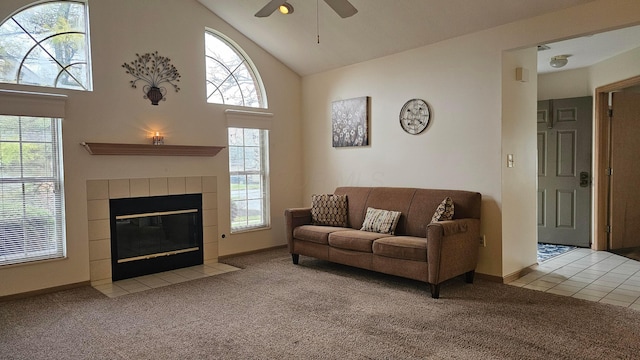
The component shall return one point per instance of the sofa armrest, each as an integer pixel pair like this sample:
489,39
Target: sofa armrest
293,218
452,248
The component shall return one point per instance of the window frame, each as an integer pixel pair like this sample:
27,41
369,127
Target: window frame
264,179
58,209
88,86
255,74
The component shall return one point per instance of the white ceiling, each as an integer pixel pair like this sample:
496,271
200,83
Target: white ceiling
384,27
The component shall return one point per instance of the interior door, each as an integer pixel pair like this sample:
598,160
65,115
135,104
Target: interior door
625,175
564,171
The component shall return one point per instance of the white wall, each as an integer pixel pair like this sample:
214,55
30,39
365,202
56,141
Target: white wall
621,67
475,122
114,112
564,84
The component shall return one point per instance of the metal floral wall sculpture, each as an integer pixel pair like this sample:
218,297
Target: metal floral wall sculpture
154,70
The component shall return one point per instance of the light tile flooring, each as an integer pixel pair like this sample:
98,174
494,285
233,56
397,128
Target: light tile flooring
147,282
587,274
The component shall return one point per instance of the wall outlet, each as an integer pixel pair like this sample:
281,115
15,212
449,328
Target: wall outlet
483,240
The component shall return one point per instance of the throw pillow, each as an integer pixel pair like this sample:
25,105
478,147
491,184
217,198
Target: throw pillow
444,211
329,209
381,221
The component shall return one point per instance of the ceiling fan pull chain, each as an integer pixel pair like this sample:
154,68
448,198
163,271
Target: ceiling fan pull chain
318,20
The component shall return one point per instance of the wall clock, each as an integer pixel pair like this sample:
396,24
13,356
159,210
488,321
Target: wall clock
414,116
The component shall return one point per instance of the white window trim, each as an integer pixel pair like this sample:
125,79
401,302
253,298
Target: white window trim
248,119
26,103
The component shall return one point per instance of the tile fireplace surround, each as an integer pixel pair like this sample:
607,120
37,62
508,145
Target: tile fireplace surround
100,191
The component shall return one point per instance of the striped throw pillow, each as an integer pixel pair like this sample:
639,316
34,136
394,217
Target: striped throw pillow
381,221
329,210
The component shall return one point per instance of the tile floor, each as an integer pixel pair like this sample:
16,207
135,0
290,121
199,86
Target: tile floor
587,274
142,283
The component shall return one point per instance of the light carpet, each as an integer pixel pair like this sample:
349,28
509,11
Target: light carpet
272,309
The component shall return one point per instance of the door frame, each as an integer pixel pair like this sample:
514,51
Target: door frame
602,155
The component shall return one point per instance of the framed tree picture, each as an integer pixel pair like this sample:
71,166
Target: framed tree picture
350,122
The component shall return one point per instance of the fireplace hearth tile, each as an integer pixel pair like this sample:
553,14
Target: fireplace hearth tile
176,185
98,209
97,189
139,187
158,187
209,201
209,184
167,278
193,185
119,188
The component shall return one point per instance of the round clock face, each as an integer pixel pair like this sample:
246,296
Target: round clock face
414,116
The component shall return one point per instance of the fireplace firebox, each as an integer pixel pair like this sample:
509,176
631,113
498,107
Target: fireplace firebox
155,234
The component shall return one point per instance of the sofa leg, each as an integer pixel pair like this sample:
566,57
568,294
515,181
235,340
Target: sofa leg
435,291
468,276
295,258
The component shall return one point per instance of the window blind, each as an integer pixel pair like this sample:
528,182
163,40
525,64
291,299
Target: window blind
31,189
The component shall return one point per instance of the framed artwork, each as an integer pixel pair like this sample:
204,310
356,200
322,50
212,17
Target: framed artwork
350,121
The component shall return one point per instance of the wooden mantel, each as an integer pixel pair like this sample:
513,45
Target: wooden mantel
153,150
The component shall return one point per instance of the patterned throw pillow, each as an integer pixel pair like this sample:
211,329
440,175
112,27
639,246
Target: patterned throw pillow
381,221
329,209
444,211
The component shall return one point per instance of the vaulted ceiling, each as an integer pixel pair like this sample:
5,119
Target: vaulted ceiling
380,28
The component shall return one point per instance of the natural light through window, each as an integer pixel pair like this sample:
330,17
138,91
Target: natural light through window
249,174
231,77
47,44
31,192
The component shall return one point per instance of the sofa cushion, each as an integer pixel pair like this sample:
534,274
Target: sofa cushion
315,233
381,221
355,240
444,210
401,247
329,209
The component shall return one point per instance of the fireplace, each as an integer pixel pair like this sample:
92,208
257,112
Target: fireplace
155,234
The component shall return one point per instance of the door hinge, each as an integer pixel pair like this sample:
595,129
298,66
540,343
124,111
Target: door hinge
609,171
610,113
608,229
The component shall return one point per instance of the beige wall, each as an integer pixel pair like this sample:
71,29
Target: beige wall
114,112
479,116
564,84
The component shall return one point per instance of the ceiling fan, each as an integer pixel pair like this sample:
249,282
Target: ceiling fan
341,7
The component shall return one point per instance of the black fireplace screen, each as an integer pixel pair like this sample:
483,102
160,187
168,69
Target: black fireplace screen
154,234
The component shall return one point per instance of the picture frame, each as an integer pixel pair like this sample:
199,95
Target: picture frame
350,122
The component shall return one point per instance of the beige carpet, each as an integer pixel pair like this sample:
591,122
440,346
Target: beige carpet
272,309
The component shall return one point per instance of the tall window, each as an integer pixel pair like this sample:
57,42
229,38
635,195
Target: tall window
249,174
31,196
47,44
231,77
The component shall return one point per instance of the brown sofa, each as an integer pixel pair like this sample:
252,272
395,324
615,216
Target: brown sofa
427,251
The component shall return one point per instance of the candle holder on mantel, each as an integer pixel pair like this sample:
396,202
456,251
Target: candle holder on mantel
158,139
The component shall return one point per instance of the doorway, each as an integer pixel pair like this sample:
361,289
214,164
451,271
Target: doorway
617,131
564,171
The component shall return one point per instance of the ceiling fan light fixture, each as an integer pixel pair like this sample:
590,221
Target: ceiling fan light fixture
286,8
559,61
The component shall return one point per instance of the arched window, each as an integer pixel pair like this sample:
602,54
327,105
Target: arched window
232,79
47,44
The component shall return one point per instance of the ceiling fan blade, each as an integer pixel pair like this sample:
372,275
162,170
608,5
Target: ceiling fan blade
269,8
342,7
